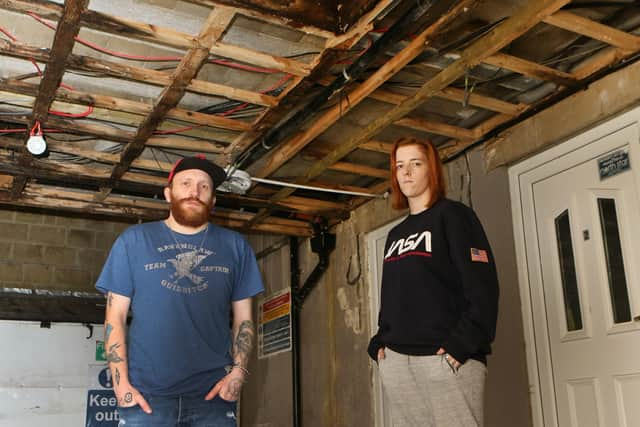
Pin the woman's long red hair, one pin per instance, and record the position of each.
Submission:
(436, 183)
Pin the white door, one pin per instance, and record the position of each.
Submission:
(588, 253)
(375, 254)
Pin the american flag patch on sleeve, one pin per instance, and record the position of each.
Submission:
(479, 255)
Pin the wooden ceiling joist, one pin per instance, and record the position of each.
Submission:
(267, 17)
(52, 170)
(188, 68)
(489, 44)
(135, 74)
(531, 69)
(357, 169)
(61, 48)
(51, 197)
(437, 128)
(379, 146)
(603, 59)
(458, 95)
(595, 30)
(285, 151)
(164, 36)
(297, 90)
(125, 105)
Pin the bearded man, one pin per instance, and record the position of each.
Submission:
(179, 363)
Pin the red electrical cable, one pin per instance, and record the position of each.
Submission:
(243, 106)
(37, 67)
(8, 34)
(155, 58)
(73, 115)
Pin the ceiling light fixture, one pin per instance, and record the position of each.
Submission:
(36, 143)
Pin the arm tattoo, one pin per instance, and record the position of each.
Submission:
(244, 341)
(235, 386)
(112, 355)
(110, 299)
(117, 377)
(108, 333)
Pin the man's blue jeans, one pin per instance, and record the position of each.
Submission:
(182, 411)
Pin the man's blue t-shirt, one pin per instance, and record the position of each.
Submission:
(181, 288)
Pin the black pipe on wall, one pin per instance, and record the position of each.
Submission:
(295, 330)
(322, 243)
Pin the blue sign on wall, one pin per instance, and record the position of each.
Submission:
(102, 405)
(102, 409)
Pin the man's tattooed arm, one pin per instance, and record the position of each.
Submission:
(116, 345)
(243, 343)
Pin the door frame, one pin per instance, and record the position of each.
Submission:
(374, 279)
(522, 176)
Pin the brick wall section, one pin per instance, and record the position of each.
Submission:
(39, 251)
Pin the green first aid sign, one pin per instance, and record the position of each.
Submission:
(100, 354)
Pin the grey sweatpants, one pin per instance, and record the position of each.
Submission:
(423, 391)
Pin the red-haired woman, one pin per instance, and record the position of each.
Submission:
(439, 299)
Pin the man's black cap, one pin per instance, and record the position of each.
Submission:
(198, 161)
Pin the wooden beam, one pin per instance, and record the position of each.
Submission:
(125, 105)
(271, 18)
(531, 69)
(186, 144)
(79, 128)
(63, 42)
(482, 101)
(6, 182)
(436, 128)
(61, 48)
(297, 91)
(500, 36)
(357, 169)
(602, 59)
(164, 36)
(285, 151)
(195, 58)
(595, 30)
(136, 74)
(454, 94)
(483, 128)
(51, 197)
(344, 187)
(379, 146)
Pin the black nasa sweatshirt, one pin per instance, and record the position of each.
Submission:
(439, 286)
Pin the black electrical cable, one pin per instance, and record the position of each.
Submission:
(411, 12)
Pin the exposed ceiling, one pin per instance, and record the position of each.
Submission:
(303, 92)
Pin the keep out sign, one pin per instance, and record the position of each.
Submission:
(102, 409)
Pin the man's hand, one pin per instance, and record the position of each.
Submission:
(229, 387)
(128, 396)
(381, 354)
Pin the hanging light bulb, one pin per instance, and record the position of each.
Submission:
(36, 143)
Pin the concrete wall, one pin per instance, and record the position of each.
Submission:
(336, 371)
(507, 401)
(44, 373)
(39, 251)
(267, 397)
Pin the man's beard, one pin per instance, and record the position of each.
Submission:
(191, 216)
